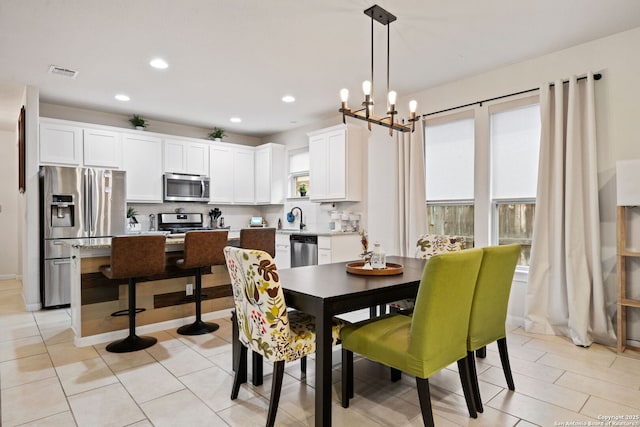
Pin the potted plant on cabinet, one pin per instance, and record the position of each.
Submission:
(138, 122)
(217, 134)
(303, 190)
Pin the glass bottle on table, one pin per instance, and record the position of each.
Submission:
(378, 257)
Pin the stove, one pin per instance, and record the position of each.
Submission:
(177, 223)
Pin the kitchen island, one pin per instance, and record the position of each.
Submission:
(94, 297)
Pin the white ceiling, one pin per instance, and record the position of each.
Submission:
(238, 58)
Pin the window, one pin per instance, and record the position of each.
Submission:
(515, 144)
(449, 169)
(299, 172)
(481, 169)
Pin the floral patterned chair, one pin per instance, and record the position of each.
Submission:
(427, 246)
(265, 325)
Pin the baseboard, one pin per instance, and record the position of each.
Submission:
(33, 307)
(515, 321)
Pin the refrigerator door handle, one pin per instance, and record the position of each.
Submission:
(85, 202)
(91, 203)
(62, 261)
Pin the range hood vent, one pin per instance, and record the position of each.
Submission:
(61, 71)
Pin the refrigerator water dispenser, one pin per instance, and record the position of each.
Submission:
(62, 211)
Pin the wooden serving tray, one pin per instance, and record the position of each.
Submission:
(390, 270)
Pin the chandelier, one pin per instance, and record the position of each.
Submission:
(366, 113)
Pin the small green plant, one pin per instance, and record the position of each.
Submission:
(217, 133)
(302, 189)
(138, 121)
(131, 214)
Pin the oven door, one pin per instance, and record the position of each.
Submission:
(186, 188)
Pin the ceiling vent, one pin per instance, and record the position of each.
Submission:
(61, 71)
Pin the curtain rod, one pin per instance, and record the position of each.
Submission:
(596, 76)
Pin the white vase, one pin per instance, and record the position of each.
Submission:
(140, 127)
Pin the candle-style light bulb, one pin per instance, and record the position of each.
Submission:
(392, 97)
(344, 95)
(366, 87)
(413, 106)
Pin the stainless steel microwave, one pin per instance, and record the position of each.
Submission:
(186, 188)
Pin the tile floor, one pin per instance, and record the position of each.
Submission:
(185, 381)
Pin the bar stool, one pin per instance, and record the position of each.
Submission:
(262, 239)
(201, 249)
(133, 257)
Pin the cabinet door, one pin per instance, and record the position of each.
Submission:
(197, 158)
(221, 174)
(142, 159)
(263, 175)
(60, 144)
(318, 167)
(243, 176)
(324, 256)
(102, 148)
(175, 156)
(336, 162)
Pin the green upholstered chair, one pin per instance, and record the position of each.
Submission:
(264, 324)
(489, 309)
(427, 342)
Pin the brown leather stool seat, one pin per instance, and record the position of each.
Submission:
(262, 239)
(134, 257)
(201, 249)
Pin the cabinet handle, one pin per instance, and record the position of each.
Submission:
(60, 262)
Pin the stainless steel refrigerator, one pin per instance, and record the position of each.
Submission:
(74, 203)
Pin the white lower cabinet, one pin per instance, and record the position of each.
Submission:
(142, 157)
(339, 248)
(283, 251)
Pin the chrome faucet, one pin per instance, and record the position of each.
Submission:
(302, 225)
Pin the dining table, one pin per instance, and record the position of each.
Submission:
(328, 290)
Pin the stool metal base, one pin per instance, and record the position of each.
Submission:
(198, 328)
(131, 343)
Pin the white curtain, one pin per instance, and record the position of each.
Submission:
(411, 211)
(565, 294)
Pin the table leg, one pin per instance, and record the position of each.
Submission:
(323, 370)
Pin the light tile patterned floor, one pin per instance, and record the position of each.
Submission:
(185, 381)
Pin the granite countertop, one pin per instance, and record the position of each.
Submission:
(105, 242)
(289, 231)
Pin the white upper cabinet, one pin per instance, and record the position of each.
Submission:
(60, 144)
(270, 177)
(221, 174)
(189, 157)
(246, 175)
(102, 148)
(142, 160)
(335, 167)
(243, 176)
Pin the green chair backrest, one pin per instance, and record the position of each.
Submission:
(440, 320)
(491, 298)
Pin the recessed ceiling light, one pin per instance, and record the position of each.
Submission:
(235, 120)
(122, 97)
(158, 63)
(288, 99)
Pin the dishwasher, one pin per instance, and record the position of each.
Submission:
(304, 250)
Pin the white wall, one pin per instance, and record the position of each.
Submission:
(9, 266)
